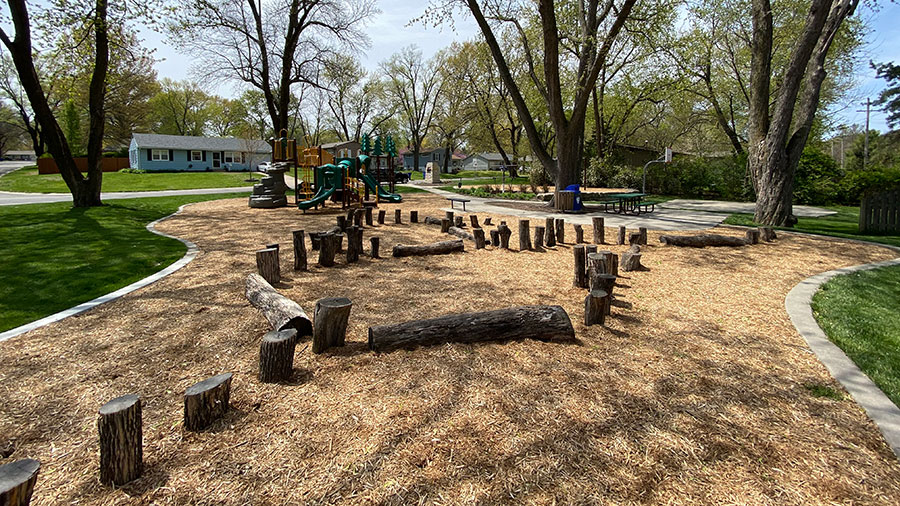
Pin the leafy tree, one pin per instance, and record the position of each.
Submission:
(71, 118)
(226, 117)
(181, 108)
(355, 99)
(890, 96)
(13, 92)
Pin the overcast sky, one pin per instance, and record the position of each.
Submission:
(389, 33)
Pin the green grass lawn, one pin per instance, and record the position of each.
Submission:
(27, 180)
(859, 313)
(843, 224)
(55, 257)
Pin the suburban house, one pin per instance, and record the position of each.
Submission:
(19, 155)
(342, 149)
(154, 152)
(483, 161)
(431, 155)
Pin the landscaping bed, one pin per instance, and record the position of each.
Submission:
(701, 392)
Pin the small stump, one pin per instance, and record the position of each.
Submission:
(374, 243)
(579, 234)
(121, 440)
(580, 280)
(504, 232)
(478, 233)
(381, 213)
(538, 238)
(495, 238)
(445, 225)
(621, 238)
(299, 250)
(414, 216)
(206, 401)
(524, 235)
(599, 231)
(595, 308)
(560, 231)
(17, 481)
(550, 235)
(398, 217)
(473, 220)
(268, 265)
(330, 323)
(276, 355)
(327, 249)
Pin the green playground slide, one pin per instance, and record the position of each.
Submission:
(374, 187)
(331, 177)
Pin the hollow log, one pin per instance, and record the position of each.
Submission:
(504, 232)
(580, 281)
(495, 238)
(398, 217)
(579, 234)
(121, 440)
(369, 221)
(702, 240)
(445, 226)
(373, 247)
(327, 249)
(524, 235)
(752, 236)
(621, 237)
(487, 221)
(634, 238)
(17, 481)
(268, 265)
(281, 312)
(560, 231)
(539, 238)
(595, 304)
(276, 355)
(478, 233)
(436, 248)
(599, 230)
(414, 216)
(381, 213)
(546, 323)
(473, 220)
(331, 317)
(299, 239)
(462, 234)
(341, 222)
(768, 234)
(206, 401)
(549, 232)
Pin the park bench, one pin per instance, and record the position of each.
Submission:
(455, 199)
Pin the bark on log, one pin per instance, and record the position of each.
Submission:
(458, 222)
(121, 440)
(634, 238)
(449, 215)
(350, 214)
(495, 238)
(473, 220)
(546, 323)
(631, 260)
(479, 238)
(339, 242)
(595, 304)
(433, 221)
(752, 236)
(369, 212)
(268, 265)
(445, 226)
(504, 232)
(590, 248)
(206, 401)
(596, 265)
(613, 265)
(373, 245)
(560, 231)
(643, 234)
(299, 238)
(599, 230)
(436, 248)
(281, 312)
(276, 355)
(358, 217)
(621, 238)
(539, 238)
(549, 232)
(354, 244)
(579, 234)
(17, 481)
(327, 249)
(462, 234)
(702, 240)
(768, 234)
(487, 221)
(331, 317)
(414, 216)
(524, 235)
(341, 222)
(316, 239)
(398, 217)
(580, 281)
(381, 213)
(274, 246)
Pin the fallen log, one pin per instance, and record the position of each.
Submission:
(432, 221)
(281, 312)
(545, 323)
(435, 248)
(458, 232)
(752, 236)
(702, 240)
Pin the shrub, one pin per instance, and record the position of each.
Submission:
(132, 171)
(817, 179)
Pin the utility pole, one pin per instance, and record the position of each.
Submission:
(866, 139)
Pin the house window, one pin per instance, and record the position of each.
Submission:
(232, 157)
(160, 155)
(196, 156)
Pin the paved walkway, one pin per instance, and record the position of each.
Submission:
(716, 206)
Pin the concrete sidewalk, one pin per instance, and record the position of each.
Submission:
(717, 206)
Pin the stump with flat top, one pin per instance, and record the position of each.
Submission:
(281, 312)
(613, 265)
(354, 244)
(643, 234)
(620, 239)
(268, 265)
(449, 215)
(478, 233)
(369, 221)
(702, 240)
(330, 317)
(381, 213)
(276, 355)
(539, 238)
(545, 323)
(17, 481)
(580, 281)
(414, 216)
(445, 225)
(315, 238)
(206, 401)
(631, 259)
(549, 234)
(398, 217)
(458, 222)
(595, 304)
(560, 231)
(504, 232)
(768, 234)
(121, 440)
(524, 235)
(495, 238)
(373, 247)
(299, 239)
(579, 234)
(599, 231)
(596, 264)
(358, 217)
(588, 249)
(327, 249)
(634, 238)
(473, 220)
(341, 222)
(436, 248)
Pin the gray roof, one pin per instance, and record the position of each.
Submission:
(188, 142)
(339, 144)
(491, 157)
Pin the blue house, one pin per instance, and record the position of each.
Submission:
(153, 152)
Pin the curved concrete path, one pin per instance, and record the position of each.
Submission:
(717, 206)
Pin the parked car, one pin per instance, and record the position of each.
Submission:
(384, 175)
(263, 167)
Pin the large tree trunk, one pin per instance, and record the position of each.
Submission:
(774, 186)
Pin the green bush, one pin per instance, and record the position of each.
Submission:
(132, 171)
(817, 180)
(688, 177)
(488, 191)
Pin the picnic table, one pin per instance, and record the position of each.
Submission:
(624, 203)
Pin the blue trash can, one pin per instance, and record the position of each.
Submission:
(577, 189)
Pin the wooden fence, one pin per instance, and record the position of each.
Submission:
(879, 212)
(48, 165)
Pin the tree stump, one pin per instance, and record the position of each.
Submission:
(478, 233)
(339, 242)
(752, 236)
(398, 217)
(274, 246)
(436, 248)
(121, 440)
(381, 213)
(631, 260)
(549, 234)
(369, 221)
(588, 249)
(445, 225)
(449, 215)
(545, 323)
(350, 214)
(768, 234)
(599, 231)
(643, 233)
(580, 280)
(327, 249)
(524, 235)
(281, 312)
(634, 238)
(268, 265)
(613, 265)
(354, 245)
(560, 231)
(341, 222)
(358, 217)
(206, 401)
(315, 238)
(299, 238)
(504, 232)
(539, 238)
(276, 355)
(473, 220)
(579, 234)
(330, 319)
(495, 238)
(17, 481)
(487, 221)
(458, 222)
(373, 247)
(595, 305)
(414, 216)
(621, 238)
(596, 263)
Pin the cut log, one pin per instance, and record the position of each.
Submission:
(353, 248)
(436, 248)
(643, 234)
(281, 312)
(17, 481)
(560, 231)
(487, 221)
(702, 240)
(613, 265)
(495, 238)
(768, 234)
(473, 220)
(433, 221)
(350, 214)
(504, 232)
(462, 234)
(631, 260)
(596, 265)
(546, 323)
(327, 249)
(458, 222)
(445, 226)
(331, 317)
(121, 440)
(341, 222)
(299, 238)
(339, 242)
(381, 213)
(580, 281)
(449, 215)
(595, 304)
(549, 232)
(373, 247)
(634, 238)
(414, 216)
(588, 249)
(478, 233)
(621, 237)
(752, 236)
(539, 238)
(524, 235)
(358, 217)
(315, 238)
(369, 221)
(276, 355)
(579, 234)
(599, 230)
(398, 217)
(268, 265)
(273, 246)
(206, 401)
